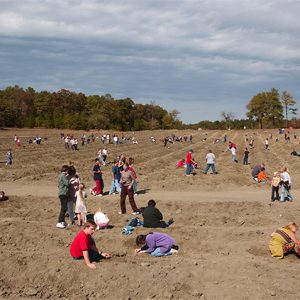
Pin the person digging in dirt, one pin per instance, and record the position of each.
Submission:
(84, 246)
(284, 241)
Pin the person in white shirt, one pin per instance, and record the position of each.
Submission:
(233, 154)
(267, 144)
(100, 219)
(210, 162)
(285, 185)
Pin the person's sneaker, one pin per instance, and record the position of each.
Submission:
(136, 213)
(120, 213)
(100, 195)
(175, 247)
(171, 221)
(60, 225)
(173, 251)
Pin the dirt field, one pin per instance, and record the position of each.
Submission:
(222, 222)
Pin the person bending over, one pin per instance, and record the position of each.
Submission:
(156, 244)
(284, 241)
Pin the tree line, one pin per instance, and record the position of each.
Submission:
(66, 109)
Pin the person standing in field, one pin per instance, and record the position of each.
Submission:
(285, 185)
(9, 158)
(131, 168)
(116, 176)
(127, 180)
(74, 186)
(267, 144)
(246, 157)
(210, 162)
(97, 190)
(63, 192)
(189, 163)
(275, 186)
(233, 154)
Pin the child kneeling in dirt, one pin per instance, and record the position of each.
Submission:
(84, 246)
(156, 244)
(284, 241)
(101, 219)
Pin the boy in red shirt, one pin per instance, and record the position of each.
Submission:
(189, 163)
(83, 246)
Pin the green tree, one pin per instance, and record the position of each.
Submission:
(265, 107)
(288, 103)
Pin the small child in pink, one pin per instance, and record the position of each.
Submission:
(100, 219)
(180, 163)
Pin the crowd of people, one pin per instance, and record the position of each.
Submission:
(72, 195)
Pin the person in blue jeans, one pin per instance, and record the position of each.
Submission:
(116, 175)
(210, 162)
(189, 162)
(156, 244)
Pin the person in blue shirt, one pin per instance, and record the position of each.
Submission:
(116, 175)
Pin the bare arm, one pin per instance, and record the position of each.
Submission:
(294, 238)
(87, 260)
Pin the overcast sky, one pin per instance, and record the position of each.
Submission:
(200, 57)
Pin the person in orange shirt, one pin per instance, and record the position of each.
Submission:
(262, 177)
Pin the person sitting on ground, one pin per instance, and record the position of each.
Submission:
(181, 163)
(284, 241)
(84, 246)
(100, 219)
(256, 170)
(153, 218)
(262, 177)
(156, 244)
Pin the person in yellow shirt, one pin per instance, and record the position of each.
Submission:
(284, 241)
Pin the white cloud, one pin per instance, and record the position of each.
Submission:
(172, 45)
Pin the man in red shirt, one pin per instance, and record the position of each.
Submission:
(189, 161)
(83, 246)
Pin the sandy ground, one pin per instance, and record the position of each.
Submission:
(222, 223)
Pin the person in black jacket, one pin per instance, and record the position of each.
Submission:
(153, 218)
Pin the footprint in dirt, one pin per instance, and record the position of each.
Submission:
(258, 251)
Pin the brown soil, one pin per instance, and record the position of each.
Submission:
(222, 223)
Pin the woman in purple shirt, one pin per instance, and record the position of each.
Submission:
(156, 244)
